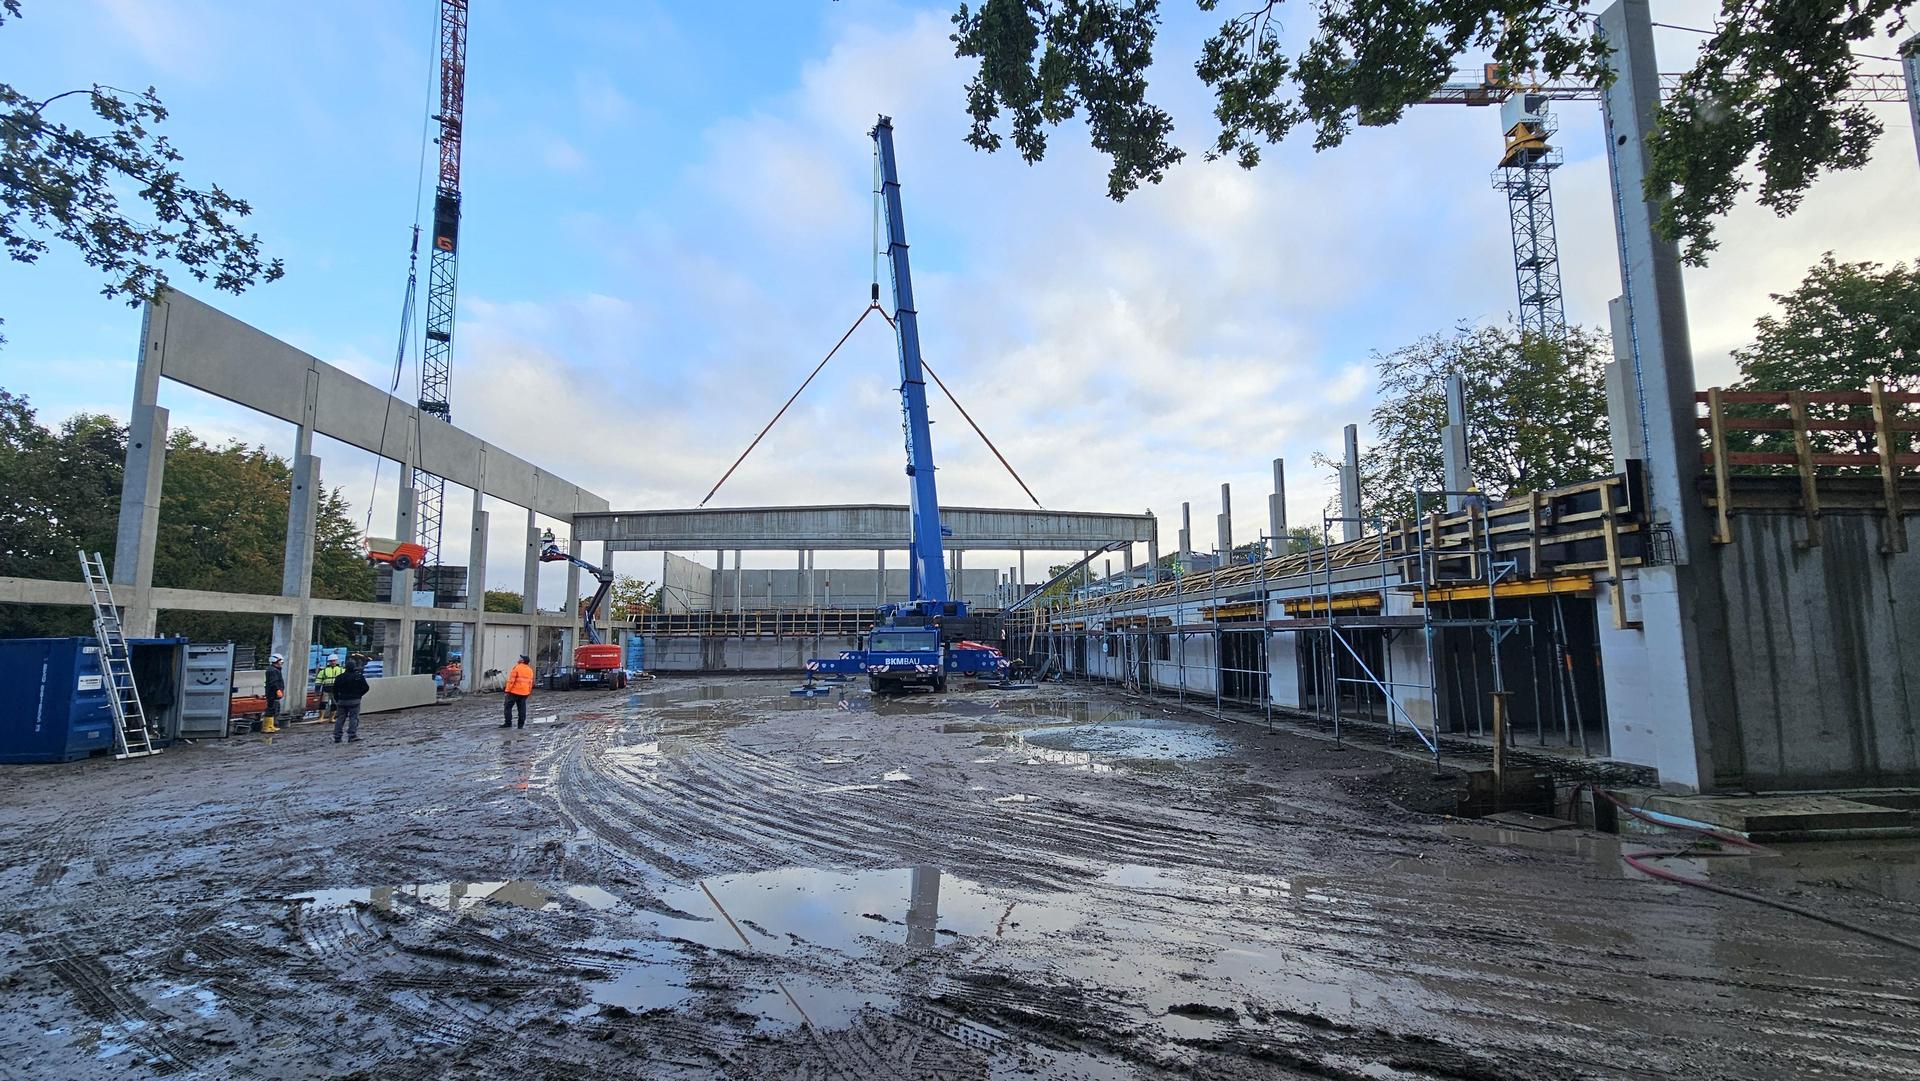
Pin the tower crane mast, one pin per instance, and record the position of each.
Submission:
(436, 356)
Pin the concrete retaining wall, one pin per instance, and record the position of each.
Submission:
(1824, 645)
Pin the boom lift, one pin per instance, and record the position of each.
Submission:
(919, 642)
(595, 663)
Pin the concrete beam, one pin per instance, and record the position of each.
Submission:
(50, 591)
(195, 344)
(853, 527)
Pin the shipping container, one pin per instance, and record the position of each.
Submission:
(53, 700)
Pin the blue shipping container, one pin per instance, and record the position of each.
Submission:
(53, 700)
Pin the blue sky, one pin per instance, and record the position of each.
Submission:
(667, 222)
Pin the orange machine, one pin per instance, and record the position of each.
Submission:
(400, 555)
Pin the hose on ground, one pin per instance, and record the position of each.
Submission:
(1641, 861)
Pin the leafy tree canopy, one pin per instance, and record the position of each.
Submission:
(1844, 326)
(633, 596)
(223, 521)
(59, 182)
(1763, 90)
(503, 600)
(1536, 416)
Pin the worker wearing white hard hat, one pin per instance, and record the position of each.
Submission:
(276, 690)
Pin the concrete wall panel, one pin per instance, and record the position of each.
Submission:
(1825, 648)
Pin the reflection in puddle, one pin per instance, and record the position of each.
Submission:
(448, 896)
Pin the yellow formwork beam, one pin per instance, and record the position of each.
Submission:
(1534, 587)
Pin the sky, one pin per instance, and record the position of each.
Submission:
(668, 221)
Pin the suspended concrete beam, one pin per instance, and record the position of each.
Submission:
(865, 527)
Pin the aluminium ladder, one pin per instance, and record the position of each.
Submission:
(131, 736)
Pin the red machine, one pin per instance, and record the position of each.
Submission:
(595, 663)
(397, 554)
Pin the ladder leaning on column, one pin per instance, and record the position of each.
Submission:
(131, 736)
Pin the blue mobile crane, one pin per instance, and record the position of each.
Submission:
(919, 642)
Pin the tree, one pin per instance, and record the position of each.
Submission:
(1844, 326)
(58, 182)
(1764, 88)
(503, 600)
(633, 596)
(1536, 416)
(223, 522)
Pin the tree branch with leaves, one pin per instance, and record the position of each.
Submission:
(1765, 89)
(116, 197)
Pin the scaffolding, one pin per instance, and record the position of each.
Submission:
(1413, 576)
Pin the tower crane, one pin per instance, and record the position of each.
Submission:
(436, 357)
(1529, 158)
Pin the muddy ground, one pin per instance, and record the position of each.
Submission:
(712, 878)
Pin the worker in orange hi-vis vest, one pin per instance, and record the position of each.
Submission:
(519, 689)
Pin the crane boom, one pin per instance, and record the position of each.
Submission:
(926, 564)
(1493, 90)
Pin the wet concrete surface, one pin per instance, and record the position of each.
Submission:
(714, 878)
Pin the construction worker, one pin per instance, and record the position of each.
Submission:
(323, 679)
(276, 690)
(349, 687)
(519, 688)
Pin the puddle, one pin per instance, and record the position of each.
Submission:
(651, 978)
(793, 1003)
(1134, 737)
(593, 897)
(447, 896)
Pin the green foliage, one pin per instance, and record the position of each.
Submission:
(631, 595)
(1764, 89)
(223, 521)
(1536, 416)
(1044, 62)
(503, 600)
(58, 182)
(1846, 325)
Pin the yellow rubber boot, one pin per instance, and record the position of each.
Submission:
(269, 726)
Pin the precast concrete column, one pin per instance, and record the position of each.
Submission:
(1277, 509)
(606, 610)
(1682, 612)
(719, 591)
(1023, 572)
(812, 599)
(530, 584)
(959, 576)
(1350, 486)
(1186, 530)
(397, 657)
(573, 601)
(880, 585)
(739, 583)
(1224, 523)
(138, 534)
(1623, 391)
(1153, 556)
(293, 635)
(1127, 563)
(1455, 474)
(475, 660)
